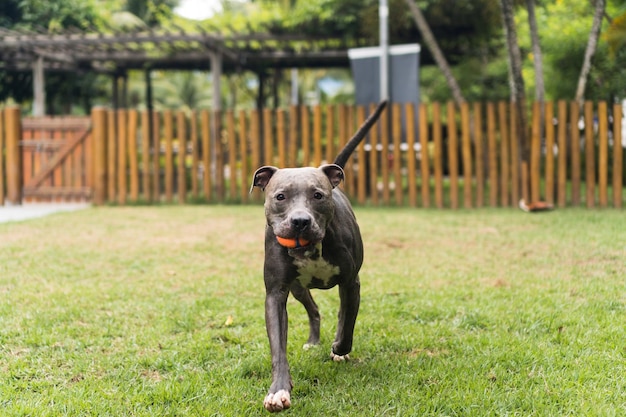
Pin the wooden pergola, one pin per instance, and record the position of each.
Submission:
(117, 53)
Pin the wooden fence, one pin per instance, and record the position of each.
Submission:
(430, 156)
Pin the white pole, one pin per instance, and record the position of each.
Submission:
(383, 13)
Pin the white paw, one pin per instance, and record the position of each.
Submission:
(278, 401)
(339, 358)
(308, 346)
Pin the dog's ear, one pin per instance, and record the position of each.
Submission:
(334, 173)
(262, 177)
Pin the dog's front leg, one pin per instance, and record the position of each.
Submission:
(278, 397)
(349, 295)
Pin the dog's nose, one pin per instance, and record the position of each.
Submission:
(300, 223)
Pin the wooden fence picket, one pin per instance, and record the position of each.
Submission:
(216, 122)
(513, 174)
(111, 150)
(122, 156)
(305, 132)
(256, 145)
(411, 155)
(453, 156)
(350, 182)
(133, 162)
(504, 154)
(373, 174)
(575, 156)
(330, 133)
(384, 155)
(98, 117)
(145, 156)
(618, 156)
(466, 154)
(590, 173)
(562, 155)
(280, 136)
(479, 155)
(293, 135)
(232, 153)
(397, 154)
(549, 152)
(155, 140)
(317, 135)
(535, 152)
(195, 156)
(360, 151)
(180, 152)
(603, 155)
(13, 166)
(492, 146)
(438, 155)
(243, 152)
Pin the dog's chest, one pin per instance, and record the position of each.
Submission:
(318, 268)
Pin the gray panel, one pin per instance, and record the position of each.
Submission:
(365, 72)
(403, 73)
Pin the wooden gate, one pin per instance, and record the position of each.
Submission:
(57, 159)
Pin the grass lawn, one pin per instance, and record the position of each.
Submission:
(158, 311)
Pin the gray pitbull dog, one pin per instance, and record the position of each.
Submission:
(312, 240)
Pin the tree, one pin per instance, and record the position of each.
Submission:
(518, 94)
(590, 50)
(537, 57)
(433, 46)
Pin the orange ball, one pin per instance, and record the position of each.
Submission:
(292, 243)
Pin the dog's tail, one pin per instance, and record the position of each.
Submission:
(343, 156)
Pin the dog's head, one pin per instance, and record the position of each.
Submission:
(299, 201)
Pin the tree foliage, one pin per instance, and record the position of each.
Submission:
(54, 16)
(66, 91)
(563, 30)
(63, 89)
(469, 33)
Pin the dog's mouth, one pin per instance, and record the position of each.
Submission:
(297, 242)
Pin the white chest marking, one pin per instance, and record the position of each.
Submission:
(315, 268)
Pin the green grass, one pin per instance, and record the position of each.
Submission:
(158, 311)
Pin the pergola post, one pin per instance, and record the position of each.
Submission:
(115, 92)
(216, 76)
(294, 86)
(124, 98)
(39, 88)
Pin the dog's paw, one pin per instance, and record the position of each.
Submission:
(309, 346)
(339, 358)
(278, 401)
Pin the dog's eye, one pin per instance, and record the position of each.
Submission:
(318, 195)
(280, 197)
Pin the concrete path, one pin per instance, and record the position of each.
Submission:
(34, 210)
